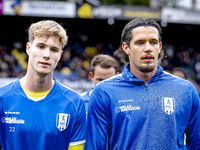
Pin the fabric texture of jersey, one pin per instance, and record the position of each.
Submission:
(86, 97)
(133, 116)
(53, 123)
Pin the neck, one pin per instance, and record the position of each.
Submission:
(37, 83)
(146, 77)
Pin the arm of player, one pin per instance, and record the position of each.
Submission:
(97, 124)
(79, 131)
(77, 147)
(193, 128)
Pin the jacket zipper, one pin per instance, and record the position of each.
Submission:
(146, 87)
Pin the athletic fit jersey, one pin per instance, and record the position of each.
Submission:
(36, 96)
(53, 123)
(86, 97)
(135, 116)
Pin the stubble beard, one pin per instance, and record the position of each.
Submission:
(145, 69)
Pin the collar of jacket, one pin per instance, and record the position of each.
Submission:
(132, 78)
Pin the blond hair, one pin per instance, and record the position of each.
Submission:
(46, 29)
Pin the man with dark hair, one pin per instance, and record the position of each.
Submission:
(143, 107)
(102, 67)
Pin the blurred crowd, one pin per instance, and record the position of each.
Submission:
(75, 61)
(185, 60)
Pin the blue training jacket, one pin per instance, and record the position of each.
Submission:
(128, 115)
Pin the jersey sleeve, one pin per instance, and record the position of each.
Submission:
(77, 147)
(79, 130)
(193, 128)
(97, 124)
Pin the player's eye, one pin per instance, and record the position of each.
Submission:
(41, 46)
(54, 50)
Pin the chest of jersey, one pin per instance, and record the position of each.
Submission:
(45, 121)
(148, 112)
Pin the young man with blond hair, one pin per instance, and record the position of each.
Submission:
(37, 112)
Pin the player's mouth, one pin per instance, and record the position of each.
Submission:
(148, 58)
(44, 63)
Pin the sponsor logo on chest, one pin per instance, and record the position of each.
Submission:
(126, 108)
(167, 104)
(12, 120)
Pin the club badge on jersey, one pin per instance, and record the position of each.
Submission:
(62, 121)
(168, 105)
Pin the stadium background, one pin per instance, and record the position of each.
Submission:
(95, 28)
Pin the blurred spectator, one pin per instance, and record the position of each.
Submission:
(75, 62)
(180, 72)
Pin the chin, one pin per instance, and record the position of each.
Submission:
(146, 69)
(43, 73)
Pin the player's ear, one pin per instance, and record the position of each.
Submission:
(125, 47)
(160, 48)
(61, 52)
(91, 75)
(28, 45)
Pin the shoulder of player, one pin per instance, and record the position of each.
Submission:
(179, 82)
(107, 86)
(86, 95)
(111, 80)
(176, 79)
(7, 88)
(69, 94)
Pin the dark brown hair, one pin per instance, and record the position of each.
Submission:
(126, 35)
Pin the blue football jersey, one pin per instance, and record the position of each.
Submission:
(132, 115)
(86, 97)
(53, 123)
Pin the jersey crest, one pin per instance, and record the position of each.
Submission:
(168, 105)
(62, 121)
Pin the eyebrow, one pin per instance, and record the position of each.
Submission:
(146, 40)
(155, 39)
(55, 47)
(41, 44)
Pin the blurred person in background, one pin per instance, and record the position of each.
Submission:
(102, 67)
(37, 112)
(180, 72)
(143, 107)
